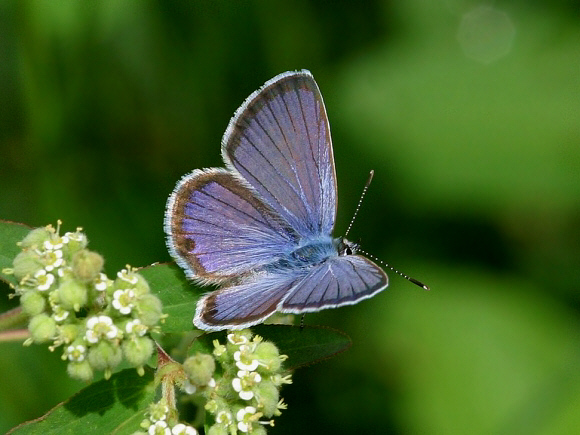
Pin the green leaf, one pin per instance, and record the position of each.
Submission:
(303, 346)
(115, 406)
(10, 234)
(306, 345)
(178, 295)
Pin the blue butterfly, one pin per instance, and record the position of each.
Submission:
(261, 229)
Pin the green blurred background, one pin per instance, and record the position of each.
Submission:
(468, 113)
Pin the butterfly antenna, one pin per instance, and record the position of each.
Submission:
(407, 277)
(364, 192)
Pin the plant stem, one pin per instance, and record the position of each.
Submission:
(14, 335)
(13, 318)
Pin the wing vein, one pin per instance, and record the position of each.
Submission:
(264, 221)
(312, 187)
(294, 168)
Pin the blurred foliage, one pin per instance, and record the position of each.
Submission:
(469, 114)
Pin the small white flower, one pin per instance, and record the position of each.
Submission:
(245, 417)
(77, 236)
(182, 429)
(237, 339)
(159, 428)
(99, 327)
(101, 282)
(54, 244)
(59, 313)
(224, 417)
(123, 300)
(52, 259)
(244, 395)
(211, 383)
(43, 280)
(76, 352)
(136, 327)
(245, 382)
(244, 360)
(128, 276)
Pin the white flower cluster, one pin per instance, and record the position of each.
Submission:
(245, 391)
(71, 302)
(157, 423)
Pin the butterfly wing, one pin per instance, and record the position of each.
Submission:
(217, 228)
(244, 304)
(343, 280)
(280, 189)
(279, 142)
(340, 280)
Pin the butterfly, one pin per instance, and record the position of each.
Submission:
(261, 228)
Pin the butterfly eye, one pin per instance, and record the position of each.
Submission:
(346, 248)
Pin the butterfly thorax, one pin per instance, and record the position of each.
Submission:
(312, 254)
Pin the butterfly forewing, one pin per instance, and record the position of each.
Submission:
(217, 228)
(279, 141)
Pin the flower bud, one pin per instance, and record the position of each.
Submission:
(137, 350)
(217, 429)
(36, 237)
(268, 397)
(141, 286)
(69, 332)
(105, 355)
(220, 352)
(76, 241)
(258, 430)
(26, 263)
(72, 295)
(42, 328)
(32, 303)
(158, 410)
(87, 265)
(267, 353)
(80, 370)
(149, 308)
(199, 368)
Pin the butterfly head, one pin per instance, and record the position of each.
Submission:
(345, 247)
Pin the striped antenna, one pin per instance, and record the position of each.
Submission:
(364, 192)
(407, 277)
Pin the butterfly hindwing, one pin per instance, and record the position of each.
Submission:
(340, 280)
(243, 304)
(343, 280)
